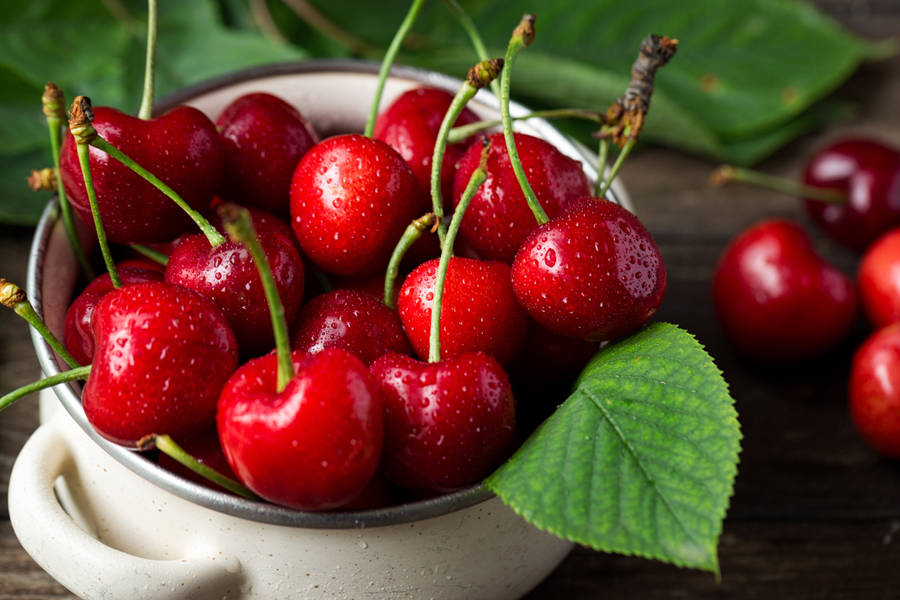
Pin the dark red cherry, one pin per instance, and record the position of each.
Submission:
(181, 147)
(592, 273)
(547, 357)
(776, 299)
(879, 280)
(875, 391)
(264, 138)
(446, 424)
(498, 219)
(351, 199)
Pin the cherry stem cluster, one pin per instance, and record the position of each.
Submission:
(65, 376)
(146, 109)
(730, 174)
(14, 297)
(410, 236)
(477, 42)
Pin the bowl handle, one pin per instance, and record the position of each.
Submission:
(82, 563)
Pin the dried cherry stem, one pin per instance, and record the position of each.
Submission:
(458, 134)
(475, 181)
(388, 60)
(730, 174)
(55, 112)
(412, 234)
(42, 180)
(71, 375)
(14, 297)
(82, 128)
(146, 251)
(478, 76)
(169, 447)
(146, 109)
(239, 227)
(522, 37)
(477, 42)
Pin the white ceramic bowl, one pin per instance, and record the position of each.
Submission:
(108, 523)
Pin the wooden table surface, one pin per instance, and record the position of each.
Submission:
(815, 513)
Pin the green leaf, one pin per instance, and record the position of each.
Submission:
(640, 459)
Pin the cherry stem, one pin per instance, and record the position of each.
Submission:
(730, 174)
(477, 42)
(614, 170)
(461, 133)
(157, 257)
(239, 226)
(478, 76)
(71, 375)
(14, 297)
(602, 157)
(146, 109)
(169, 447)
(412, 234)
(388, 60)
(55, 112)
(475, 181)
(522, 37)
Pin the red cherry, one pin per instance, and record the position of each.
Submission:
(547, 357)
(378, 494)
(479, 313)
(498, 219)
(264, 138)
(354, 321)
(162, 354)
(879, 280)
(868, 173)
(875, 391)
(776, 298)
(593, 273)
(228, 275)
(446, 424)
(351, 199)
(182, 148)
(313, 446)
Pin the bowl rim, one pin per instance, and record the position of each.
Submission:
(264, 512)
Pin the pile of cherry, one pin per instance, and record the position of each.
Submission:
(780, 301)
(372, 414)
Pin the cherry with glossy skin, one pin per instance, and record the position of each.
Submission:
(549, 357)
(593, 273)
(498, 219)
(181, 147)
(778, 300)
(879, 280)
(313, 446)
(264, 138)
(351, 199)
(354, 321)
(875, 391)
(480, 312)
(447, 424)
(152, 341)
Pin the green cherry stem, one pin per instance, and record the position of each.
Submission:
(157, 257)
(412, 234)
(475, 181)
(478, 76)
(614, 170)
(388, 60)
(477, 42)
(239, 227)
(522, 37)
(82, 128)
(458, 134)
(730, 174)
(168, 446)
(71, 375)
(14, 297)
(146, 109)
(602, 158)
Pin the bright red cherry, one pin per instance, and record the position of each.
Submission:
(181, 147)
(776, 298)
(354, 321)
(163, 353)
(264, 138)
(446, 424)
(875, 391)
(593, 273)
(498, 219)
(313, 446)
(879, 280)
(479, 313)
(351, 199)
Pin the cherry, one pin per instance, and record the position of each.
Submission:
(593, 273)
(313, 446)
(377, 494)
(498, 219)
(206, 449)
(152, 341)
(182, 147)
(879, 280)
(548, 357)
(875, 391)
(776, 298)
(264, 138)
(447, 424)
(354, 321)
(351, 199)
(480, 312)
